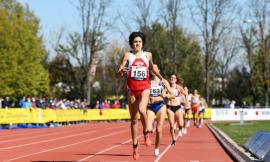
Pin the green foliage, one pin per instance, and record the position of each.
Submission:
(239, 87)
(21, 52)
(188, 59)
(64, 78)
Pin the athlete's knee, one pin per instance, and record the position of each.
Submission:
(133, 121)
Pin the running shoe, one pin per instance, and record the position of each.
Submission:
(180, 133)
(188, 123)
(184, 130)
(156, 152)
(147, 140)
(173, 143)
(136, 153)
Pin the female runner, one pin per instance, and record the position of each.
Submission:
(157, 107)
(137, 64)
(175, 112)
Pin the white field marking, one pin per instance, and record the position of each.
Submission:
(48, 134)
(21, 134)
(31, 137)
(56, 148)
(32, 131)
(36, 131)
(54, 139)
(167, 148)
(90, 156)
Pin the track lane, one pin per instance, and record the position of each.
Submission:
(114, 144)
(36, 146)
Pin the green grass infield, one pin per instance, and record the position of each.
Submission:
(240, 133)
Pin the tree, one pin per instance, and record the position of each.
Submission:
(63, 78)
(21, 52)
(171, 15)
(238, 86)
(212, 19)
(229, 48)
(84, 46)
(260, 11)
(188, 60)
(143, 18)
(249, 44)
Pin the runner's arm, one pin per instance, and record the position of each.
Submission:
(170, 94)
(122, 68)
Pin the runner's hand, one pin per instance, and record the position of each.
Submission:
(124, 70)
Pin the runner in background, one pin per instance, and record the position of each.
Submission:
(157, 107)
(203, 105)
(136, 64)
(175, 112)
(188, 111)
(184, 101)
(195, 106)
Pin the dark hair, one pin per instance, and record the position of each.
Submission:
(181, 81)
(133, 35)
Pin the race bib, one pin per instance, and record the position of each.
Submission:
(156, 91)
(138, 72)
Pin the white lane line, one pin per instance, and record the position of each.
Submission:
(56, 148)
(31, 137)
(41, 134)
(90, 156)
(167, 148)
(31, 131)
(54, 139)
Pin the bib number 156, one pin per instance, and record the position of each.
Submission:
(138, 72)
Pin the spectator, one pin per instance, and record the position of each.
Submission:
(27, 103)
(97, 103)
(227, 104)
(115, 105)
(106, 104)
(100, 107)
(21, 101)
(232, 104)
(7, 102)
(1, 102)
(34, 102)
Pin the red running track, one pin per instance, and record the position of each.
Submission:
(106, 142)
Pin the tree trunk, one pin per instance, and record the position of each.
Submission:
(266, 84)
(92, 72)
(206, 81)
